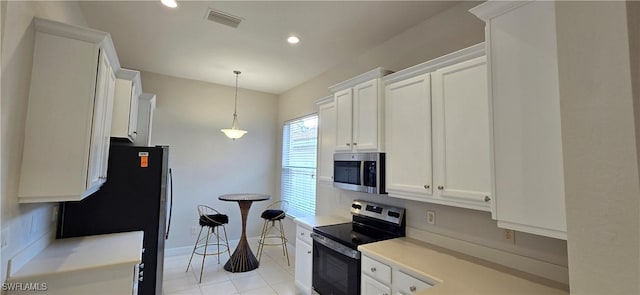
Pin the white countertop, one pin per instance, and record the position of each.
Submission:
(313, 221)
(457, 273)
(75, 254)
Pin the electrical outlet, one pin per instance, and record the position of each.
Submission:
(510, 235)
(431, 217)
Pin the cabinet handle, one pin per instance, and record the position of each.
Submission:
(426, 186)
(348, 144)
(135, 132)
(302, 234)
(308, 252)
(487, 198)
(440, 187)
(355, 143)
(412, 288)
(373, 269)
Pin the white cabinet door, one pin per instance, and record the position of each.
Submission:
(96, 154)
(367, 110)
(326, 140)
(408, 138)
(344, 123)
(304, 260)
(370, 286)
(146, 107)
(529, 179)
(461, 139)
(125, 107)
(108, 111)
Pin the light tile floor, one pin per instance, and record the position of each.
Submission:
(272, 277)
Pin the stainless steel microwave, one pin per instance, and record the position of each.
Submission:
(363, 172)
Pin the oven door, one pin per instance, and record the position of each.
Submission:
(336, 268)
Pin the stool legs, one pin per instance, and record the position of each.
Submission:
(210, 230)
(264, 236)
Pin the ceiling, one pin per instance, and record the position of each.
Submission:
(180, 42)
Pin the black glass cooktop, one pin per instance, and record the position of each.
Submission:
(353, 234)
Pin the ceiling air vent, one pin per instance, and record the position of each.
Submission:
(223, 18)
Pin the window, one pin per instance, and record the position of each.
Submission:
(299, 149)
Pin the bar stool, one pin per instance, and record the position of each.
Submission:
(275, 212)
(212, 220)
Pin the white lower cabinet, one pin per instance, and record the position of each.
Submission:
(304, 259)
(378, 278)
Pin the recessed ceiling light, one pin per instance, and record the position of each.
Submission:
(170, 3)
(293, 40)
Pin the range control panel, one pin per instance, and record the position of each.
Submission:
(377, 211)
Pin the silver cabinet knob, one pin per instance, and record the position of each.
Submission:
(440, 187)
(373, 269)
(412, 288)
(487, 198)
(426, 186)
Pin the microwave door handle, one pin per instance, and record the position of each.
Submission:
(362, 172)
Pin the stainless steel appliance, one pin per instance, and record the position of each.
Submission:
(336, 259)
(363, 172)
(134, 197)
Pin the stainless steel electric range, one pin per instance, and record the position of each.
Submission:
(336, 259)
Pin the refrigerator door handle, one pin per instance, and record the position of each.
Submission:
(166, 237)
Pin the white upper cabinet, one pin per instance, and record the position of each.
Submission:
(326, 138)
(438, 145)
(408, 138)
(523, 82)
(125, 106)
(461, 140)
(146, 107)
(360, 112)
(68, 118)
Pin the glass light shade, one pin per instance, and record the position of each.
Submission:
(233, 133)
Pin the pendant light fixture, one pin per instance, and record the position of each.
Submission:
(234, 133)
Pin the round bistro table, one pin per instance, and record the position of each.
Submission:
(242, 259)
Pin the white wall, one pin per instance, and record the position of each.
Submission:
(22, 224)
(451, 30)
(188, 117)
(598, 70)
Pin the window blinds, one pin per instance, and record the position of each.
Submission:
(299, 150)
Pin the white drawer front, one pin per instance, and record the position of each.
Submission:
(406, 284)
(376, 270)
(304, 234)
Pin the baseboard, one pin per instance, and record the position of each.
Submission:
(26, 254)
(543, 269)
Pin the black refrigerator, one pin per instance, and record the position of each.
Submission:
(134, 197)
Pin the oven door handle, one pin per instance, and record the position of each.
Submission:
(333, 245)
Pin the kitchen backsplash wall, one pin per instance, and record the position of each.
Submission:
(22, 224)
(188, 117)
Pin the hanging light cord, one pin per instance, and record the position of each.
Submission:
(235, 107)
